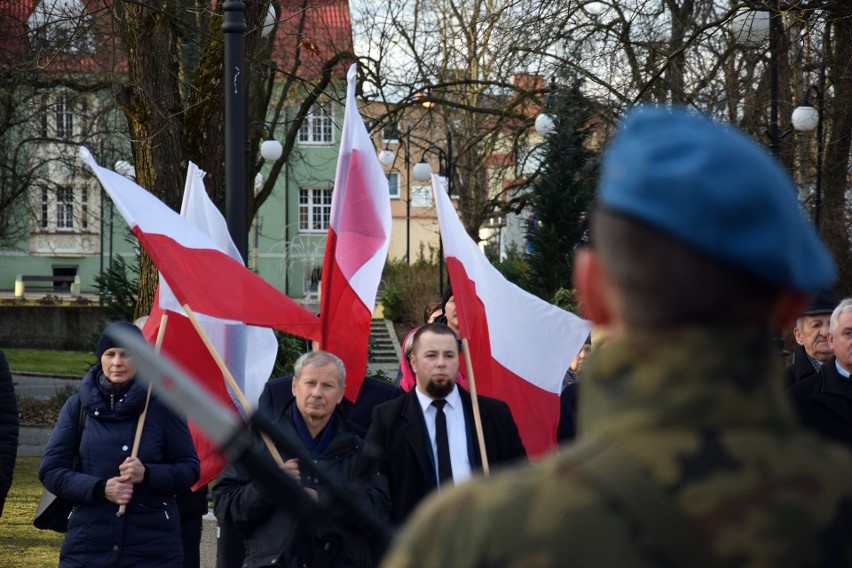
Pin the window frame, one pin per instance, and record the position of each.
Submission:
(314, 205)
(318, 127)
(397, 194)
(64, 209)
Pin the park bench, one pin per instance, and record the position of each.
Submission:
(54, 280)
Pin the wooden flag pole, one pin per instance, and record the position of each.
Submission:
(477, 418)
(140, 424)
(229, 379)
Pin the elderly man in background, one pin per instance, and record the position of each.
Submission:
(824, 400)
(273, 536)
(811, 334)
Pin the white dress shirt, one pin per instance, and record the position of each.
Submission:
(456, 432)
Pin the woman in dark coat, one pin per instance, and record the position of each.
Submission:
(148, 533)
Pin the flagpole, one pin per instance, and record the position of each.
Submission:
(229, 379)
(140, 424)
(477, 418)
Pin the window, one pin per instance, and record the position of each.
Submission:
(390, 133)
(64, 117)
(43, 112)
(84, 208)
(60, 25)
(45, 204)
(317, 128)
(314, 210)
(393, 185)
(64, 208)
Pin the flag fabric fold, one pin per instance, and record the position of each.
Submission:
(199, 273)
(356, 246)
(249, 352)
(520, 346)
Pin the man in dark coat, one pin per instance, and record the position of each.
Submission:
(824, 400)
(811, 334)
(8, 429)
(310, 418)
(405, 429)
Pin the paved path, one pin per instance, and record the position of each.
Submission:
(41, 387)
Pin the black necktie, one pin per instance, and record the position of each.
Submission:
(445, 467)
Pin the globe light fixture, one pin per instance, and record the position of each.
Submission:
(544, 124)
(269, 22)
(805, 118)
(751, 27)
(271, 150)
(386, 157)
(422, 171)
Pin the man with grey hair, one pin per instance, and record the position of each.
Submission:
(309, 418)
(824, 400)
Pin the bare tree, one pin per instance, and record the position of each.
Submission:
(460, 55)
(161, 65)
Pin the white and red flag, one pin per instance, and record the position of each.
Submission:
(199, 273)
(520, 346)
(249, 352)
(356, 247)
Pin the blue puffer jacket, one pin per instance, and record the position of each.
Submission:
(148, 534)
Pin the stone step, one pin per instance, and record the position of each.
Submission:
(384, 348)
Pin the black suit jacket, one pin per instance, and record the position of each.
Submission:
(824, 404)
(398, 430)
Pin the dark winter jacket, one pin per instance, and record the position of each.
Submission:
(273, 537)
(824, 403)
(148, 534)
(801, 369)
(8, 429)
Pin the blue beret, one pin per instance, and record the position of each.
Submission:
(715, 188)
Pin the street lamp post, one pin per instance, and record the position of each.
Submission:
(236, 199)
(752, 28)
(423, 172)
(774, 51)
(806, 118)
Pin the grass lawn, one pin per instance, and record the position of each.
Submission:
(74, 363)
(21, 544)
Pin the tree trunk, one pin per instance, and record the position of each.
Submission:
(835, 227)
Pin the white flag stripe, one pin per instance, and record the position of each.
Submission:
(355, 139)
(152, 214)
(530, 337)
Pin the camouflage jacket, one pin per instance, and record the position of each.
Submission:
(702, 413)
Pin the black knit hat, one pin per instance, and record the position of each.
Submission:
(106, 340)
(823, 302)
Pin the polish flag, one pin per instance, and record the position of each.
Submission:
(249, 352)
(199, 273)
(520, 346)
(356, 247)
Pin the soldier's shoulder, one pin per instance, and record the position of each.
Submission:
(529, 515)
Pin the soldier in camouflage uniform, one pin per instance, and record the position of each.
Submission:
(687, 451)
